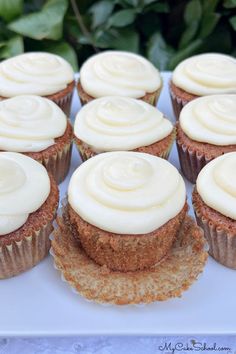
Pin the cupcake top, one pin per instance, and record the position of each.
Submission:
(120, 123)
(35, 73)
(210, 119)
(126, 192)
(120, 74)
(206, 74)
(24, 187)
(30, 123)
(216, 184)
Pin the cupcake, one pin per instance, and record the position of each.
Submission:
(206, 130)
(117, 73)
(28, 204)
(201, 75)
(120, 228)
(116, 123)
(214, 201)
(38, 73)
(37, 127)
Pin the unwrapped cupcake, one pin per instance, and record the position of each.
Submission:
(117, 123)
(117, 73)
(38, 73)
(37, 127)
(206, 130)
(201, 75)
(214, 202)
(28, 205)
(124, 236)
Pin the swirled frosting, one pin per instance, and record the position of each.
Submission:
(206, 74)
(24, 187)
(210, 119)
(119, 73)
(35, 73)
(126, 192)
(120, 123)
(216, 184)
(30, 123)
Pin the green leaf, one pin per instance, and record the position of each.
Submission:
(47, 23)
(193, 11)
(12, 47)
(100, 12)
(125, 39)
(133, 3)
(229, 4)
(188, 34)
(185, 53)
(122, 18)
(9, 9)
(208, 24)
(232, 21)
(209, 6)
(158, 52)
(64, 50)
(159, 7)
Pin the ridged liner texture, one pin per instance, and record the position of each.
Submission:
(86, 152)
(166, 280)
(64, 98)
(222, 243)
(27, 246)
(151, 98)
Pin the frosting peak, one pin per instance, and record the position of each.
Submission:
(127, 192)
(216, 184)
(24, 187)
(30, 123)
(120, 123)
(119, 73)
(34, 73)
(206, 74)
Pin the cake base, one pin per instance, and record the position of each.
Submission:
(166, 280)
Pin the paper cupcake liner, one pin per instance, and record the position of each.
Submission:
(177, 103)
(86, 152)
(222, 245)
(191, 162)
(151, 98)
(64, 102)
(19, 256)
(166, 280)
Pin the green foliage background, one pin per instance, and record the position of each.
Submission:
(165, 31)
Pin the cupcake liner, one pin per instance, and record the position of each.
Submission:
(191, 162)
(222, 244)
(177, 103)
(151, 98)
(168, 279)
(24, 254)
(64, 101)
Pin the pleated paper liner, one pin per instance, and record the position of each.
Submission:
(26, 247)
(86, 152)
(167, 279)
(64, 98)
(151, 98)
(222, 243)
(178, 101)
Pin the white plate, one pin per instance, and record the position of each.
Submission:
(38, 303)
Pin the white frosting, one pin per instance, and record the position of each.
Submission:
(216, 184)
(127, 192)
(34, 73)
(24, 187)
(206, 74)
(120, 123)
(30, 123)
(210, 119)
(115, 73)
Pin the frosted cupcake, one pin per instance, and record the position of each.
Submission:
(214, 200)
(201, 75)
(124, 236)
(38, 73)
(28, 204)
(206, 130)
(117, 73)
(116, 123)
(37, 127)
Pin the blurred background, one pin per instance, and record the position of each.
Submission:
(164, 31)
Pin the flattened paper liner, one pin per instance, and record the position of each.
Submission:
(166, 280)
